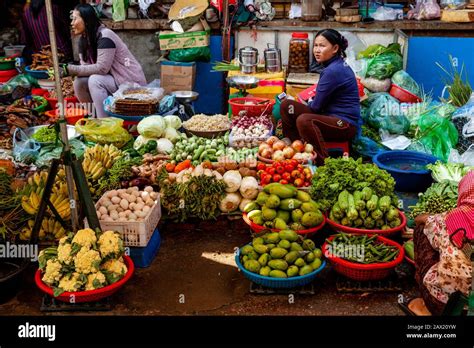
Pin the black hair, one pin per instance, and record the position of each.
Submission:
(335, 38)
(88, 41)
(36, 7)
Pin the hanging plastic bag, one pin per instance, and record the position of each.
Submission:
(438, 134)
(404, 80)
(384, 113)
(104, 131)
(194, 54)
(425, 9)
(25, 149)
(384, 65)
(119, 10)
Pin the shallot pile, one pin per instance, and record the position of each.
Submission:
(250, 131)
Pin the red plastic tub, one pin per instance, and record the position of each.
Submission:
(40, 92)
(72, 115)
(259, 229)
(390, 232)
(364, 272)
(238, 104)
(68, 102)
(91, 295)
(403, 95)
(6, 75)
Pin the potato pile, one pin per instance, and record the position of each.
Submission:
(126, 205)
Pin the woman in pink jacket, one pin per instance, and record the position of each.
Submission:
(105, 60)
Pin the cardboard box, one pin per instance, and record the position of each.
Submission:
(171, 40)
(177, 76)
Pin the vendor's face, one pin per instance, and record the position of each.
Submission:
(78, 25)
(323, 50)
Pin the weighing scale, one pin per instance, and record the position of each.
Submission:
(242, 83)
(185, 100)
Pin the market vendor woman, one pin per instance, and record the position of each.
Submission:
(106, 61)
(334, 112)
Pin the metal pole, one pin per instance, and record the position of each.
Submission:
(62, 122)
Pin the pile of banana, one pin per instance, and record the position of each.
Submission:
(33, 191)
(51, 229)
(98, 159)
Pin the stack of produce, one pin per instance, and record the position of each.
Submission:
(448, 171)
(204, 123)
(438, 198)
(45, 135)
(194, 196)
(339, 174)
(363, 249)
(285, 172)
(198, 150)
(43, 60)
(241, 189)
(148, 169)
(51, 229)
(281, 254)
(249, 131)
(8, 199)
(279, 150)
(365, 210)
(126, 205)
(283, 206)
(83, 261)
(12, 215)
(161, 131)
(67, 86)
(245, 155)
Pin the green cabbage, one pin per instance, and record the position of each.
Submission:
(152, 126)
(172, 121)
(141, 141)
(172, 134)
(165, 146)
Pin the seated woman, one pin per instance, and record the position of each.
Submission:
(334, 112)
(106, 62)
(442, 268)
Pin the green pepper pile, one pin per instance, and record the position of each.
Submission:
(369, 249)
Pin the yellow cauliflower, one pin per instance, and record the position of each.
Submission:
(53, 272)
(85, 238)
(64, 253)
(87, 261)
(110, 242)
(71, 283)
(114, 270)
(95, 281)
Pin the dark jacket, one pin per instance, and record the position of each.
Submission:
(337, 93)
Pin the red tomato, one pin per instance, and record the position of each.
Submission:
(284, 182)
(295, 174)
(293, 162)
(276, 177)
(289, 168)
(266, 179)
(261, 166)
(299, 182)
(286, 176)
(307, 183)
(300, 167)
(270, 170)
(280, 169)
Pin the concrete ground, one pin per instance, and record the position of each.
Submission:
(194, 274)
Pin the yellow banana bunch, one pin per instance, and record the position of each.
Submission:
(98, 159)
(50, 229)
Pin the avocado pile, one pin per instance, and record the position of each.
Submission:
(283, 207)
(281, 254)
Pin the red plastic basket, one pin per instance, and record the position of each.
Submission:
(364, 272)
(390, 232)
(71, 102)
(259, 229)
(238, 104)
(91, 295)
(403, 95)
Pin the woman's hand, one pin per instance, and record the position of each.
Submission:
(421, 219)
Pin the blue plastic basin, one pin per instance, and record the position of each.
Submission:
(37, 74)
(408, 168)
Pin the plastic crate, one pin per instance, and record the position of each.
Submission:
(143, 257)
(134, 233)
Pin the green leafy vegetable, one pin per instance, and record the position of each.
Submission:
(438, 198)
(447, 172)
(45, 135)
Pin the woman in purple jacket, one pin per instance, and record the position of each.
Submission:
(334, 112)
(106, 61)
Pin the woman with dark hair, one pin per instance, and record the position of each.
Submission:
(334, 112)
(105, 60)
(34, 28)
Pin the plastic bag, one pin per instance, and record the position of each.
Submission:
(425, 9)
(376, 50)
(384, 65)
(438, 134)
(384, 13)
(376, 85)
(467, 110)
(135, 91)
(25, 149)
(194, 54)
(384, 113)
(453, 4)
(119, 10)
(366, 146)
(104, 131)
(167, 104)
(405, 81)
(50, 152)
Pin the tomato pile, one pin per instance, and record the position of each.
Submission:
(284, 172)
